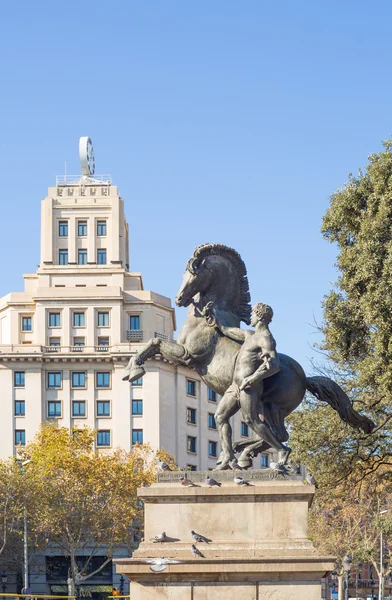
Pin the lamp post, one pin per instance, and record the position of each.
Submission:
(4, 581)
(122, 585)
(381, 581)
(25, 546)
(346, 563)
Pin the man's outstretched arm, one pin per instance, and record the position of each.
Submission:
(234, 333)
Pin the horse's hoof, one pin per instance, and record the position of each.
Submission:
(134, 374)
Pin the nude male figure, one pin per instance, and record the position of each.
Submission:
(257, 359)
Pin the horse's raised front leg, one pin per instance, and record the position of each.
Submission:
(173, 352)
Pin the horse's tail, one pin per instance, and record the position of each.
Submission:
(327, 390)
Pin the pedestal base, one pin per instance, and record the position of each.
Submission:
(259, 547)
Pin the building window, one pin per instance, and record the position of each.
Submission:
(191, 467)
(27, 324)
(137, 407)
(63, 228)
(191, 416)
(54, 409)
(54, 319)
(78, 379)
(191, 444)
(63, 257)
(82, 228)
(79, 319)
(103, 408)
(54, 341)
(101, 256)
(19, 408)
(20, 437)
(78, 408)
(264, 460)
(82, 256)
(103, 379)
(134, 322)
(244, 429)
(137, 436)
(78, 342)
(103, 319)
(19, 379)
(211, 395)
(191, 387)
(137, 382)
(103, 341)
(212, 448)
(54, 380)
(101, 228)
(211, 421)
(103, 437)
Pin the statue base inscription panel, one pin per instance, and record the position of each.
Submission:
(259, 549)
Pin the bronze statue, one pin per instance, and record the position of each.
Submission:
(216, 289)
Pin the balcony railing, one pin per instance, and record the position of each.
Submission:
(134, 335)
(161, 336)
(77, 349)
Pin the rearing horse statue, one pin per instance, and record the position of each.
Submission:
(215, 282)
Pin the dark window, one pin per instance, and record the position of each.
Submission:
(63, 257)
(78, 379)
(54, 380)
(82, 228)
(191, 444)
(244, 429)
(78, 319)
(54, 319)
(137, 436)
(103, 341)
(264, 460)
(63, 228)
(54, 341)
(191, 415)
(191, 387)
(101, 228)
(101, 256)
(27, 324)
(19, 379)
(137, 382)
(191, 467)
(82, 257)
(103, 379)
(212, 448)
(211, 421)
(103, 437)
(78, 342)
(103, 319)
(103, 408)
(20, 408)
(137, 407)
(211, 395)
(78, 408)
(20, 437)
(54, 409)
(134, 323)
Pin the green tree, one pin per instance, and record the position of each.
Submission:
(83, 501)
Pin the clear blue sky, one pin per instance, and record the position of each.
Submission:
(219, 121)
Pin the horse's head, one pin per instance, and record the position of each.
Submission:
(217, 273)
(197, 279)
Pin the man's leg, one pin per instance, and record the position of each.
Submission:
(227, 407)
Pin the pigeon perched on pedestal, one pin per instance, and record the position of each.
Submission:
(234, 466)
(211, 482)
(187, 482)
(311, 480)
(163, 465)
(199, 538)
(240, 480)
(161, 537)
(196, 552)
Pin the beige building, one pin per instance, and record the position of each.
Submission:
(65, 340)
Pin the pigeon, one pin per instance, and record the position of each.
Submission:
(211, 482)
(196, 552)
(160, 564)
(278, 467)
(145, 484)
(161, 537)
(199, 538)
(187, 482)
(234, 466)
(311, 480)
(163, 465)
(240, 480)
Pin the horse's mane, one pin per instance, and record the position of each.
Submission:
(235, 259)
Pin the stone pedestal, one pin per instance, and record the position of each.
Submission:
(259, 548)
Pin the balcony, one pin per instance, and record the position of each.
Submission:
(134, 335)
(161, 336)
(75, 349)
